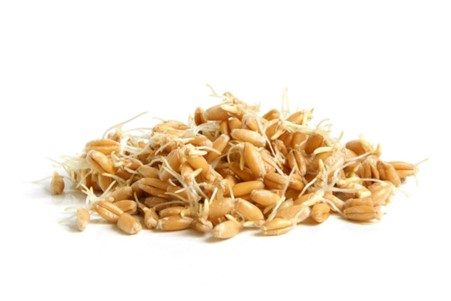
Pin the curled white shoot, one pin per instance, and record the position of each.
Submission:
(307, 186)
(116, 179)
(121, 124)
(91, 197)
(213, 93)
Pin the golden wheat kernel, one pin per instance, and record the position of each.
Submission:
(153, 201)
(219, 207)
(224, 127)
(404, 173)
(199, 162)
(371, 161)
(153, 191)
(381, 169)
(177, 192)
(57, 184)
(127, 206)
(248, 211)
(202, 225)
(359, 147)
(248, 136)
(147, 171)
(276, 232)
(174, 159)
(297, 162)
(277, 223)
(111, 207)
(170, 127)
(313, 142)
(380, 193)
(360, 213)
(268, 160)
(82, 218)
(273, 131)
(128, 224)
(150, 218)
(216, 113)
(289, 212)
(291, 193)
(107, 211)
(280, 147)
(320, 212)
(264, 197)
(277, 179)
(272, 114)
(226, 229)
(174, 223)
(296, 182)
(253, 160)
(277, 226)
(390, 174)
(298, 140)
(122, 173)
(295, 213)
(199, 116)
(303, 198)
(244, 188)
(251, 123)
(286, 139)
(273, 185)
(121, 193)
(99, 162)
(234, 123)
(132, 163)
(299, 117)
(364, 170)
(173, 210)
(200, 140)
(154, 182)
(104, 182)
(219, 145)
(105, 146)
(400, 165)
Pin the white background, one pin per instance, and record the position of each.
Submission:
(70, 69)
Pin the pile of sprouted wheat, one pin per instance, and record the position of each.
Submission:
(230, 168)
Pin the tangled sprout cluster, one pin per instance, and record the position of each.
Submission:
(228, 168)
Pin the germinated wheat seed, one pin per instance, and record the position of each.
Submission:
(230, 168)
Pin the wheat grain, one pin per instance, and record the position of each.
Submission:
(57, 184)
(248, 136)
(174, 223)
(320, 212)
(128, 224)
(108, 211)
(82, 218)
(245, 188)
(248, 211)
(127, 206)
(100, 162)
(226, 229)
